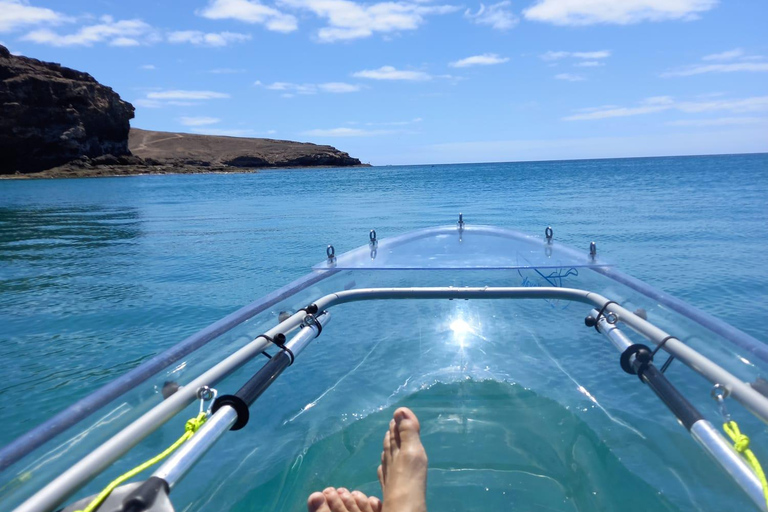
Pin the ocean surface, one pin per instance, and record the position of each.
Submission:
(98, 275)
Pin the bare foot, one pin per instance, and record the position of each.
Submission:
(403, 470)
(341, 500)
(402, 474)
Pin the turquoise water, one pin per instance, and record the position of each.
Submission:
(98, 275)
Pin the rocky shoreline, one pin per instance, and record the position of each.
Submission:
(57, 122)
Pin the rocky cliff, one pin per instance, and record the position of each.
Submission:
(51, 115)
(56, 122)
(234, 152)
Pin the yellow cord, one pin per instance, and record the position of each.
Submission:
(189, 429)
(741, 443)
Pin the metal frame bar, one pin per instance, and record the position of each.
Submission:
(58, 490)
(84, 407)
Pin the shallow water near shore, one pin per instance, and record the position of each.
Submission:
(98, 275)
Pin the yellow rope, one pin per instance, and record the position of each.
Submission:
(189, 429)
(741, 443)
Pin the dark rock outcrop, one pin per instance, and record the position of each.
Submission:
(51, 115)
(238, 152)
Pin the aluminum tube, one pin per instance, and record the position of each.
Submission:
(99, 398)
(185, 458)
(742, 392)
(179, 464)
(716, 445)
(612, 332)
(298, 343)
(53, 494)
(739, 390)
(449, 292)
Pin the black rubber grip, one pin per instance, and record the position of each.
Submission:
(259, 383)
(672, 398)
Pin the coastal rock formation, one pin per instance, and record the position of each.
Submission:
(51, 115)
(238, 152)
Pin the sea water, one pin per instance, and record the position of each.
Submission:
(97, 275)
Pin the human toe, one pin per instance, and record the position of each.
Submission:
(362, 501)
(375, 503)
(407, 427)
(349, 501)
(334, 500)
(316, 503)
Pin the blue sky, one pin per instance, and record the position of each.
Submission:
(426, 81)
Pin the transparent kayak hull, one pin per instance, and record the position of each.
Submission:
(521, 404)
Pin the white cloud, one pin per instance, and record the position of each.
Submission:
(738, 62)
(486, 59)
(338, 87)
(345, 132)
(291, 89)
(250, 12)
(719, 68)
(391, 73)
(177, 98)
(498, 16)
(729, 55)
(199, 38)
(589, 64)
(198, 121)
(621, 12)
(148, 67)
(351, 20)
(664, 103)
(116, 33)
(569, 77)
(15, 14)
(720, 121)
(601, 54)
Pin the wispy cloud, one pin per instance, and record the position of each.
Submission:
(392, 73)
(177, 98)
(17, 14)
(759, 67)
(620, 12)
(498, 16)
(730, 61)
(199, 38)
(720, 121)
(486, 59)
(589, 64)
(664, 103)
(250, 12)
(198, 121)
(116, 33)
(600, 54)
(727, 55)
(348, 20)
(148, 67)
(569, 77)
(289, 89)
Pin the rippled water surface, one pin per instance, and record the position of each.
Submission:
(98, 275)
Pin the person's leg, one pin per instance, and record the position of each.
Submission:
(341, 500)
(402, 474)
